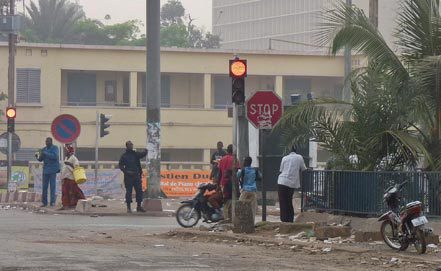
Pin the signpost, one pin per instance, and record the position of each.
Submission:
(264, 110)
(16, 143)
(65, 128)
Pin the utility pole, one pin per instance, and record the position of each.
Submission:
(11, 85)
(153, 108)
(348, 67)
(373, 12)
(97, 137)
(243, 141)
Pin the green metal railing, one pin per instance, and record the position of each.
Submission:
(361, 193)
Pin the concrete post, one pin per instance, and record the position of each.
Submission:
(153, 94)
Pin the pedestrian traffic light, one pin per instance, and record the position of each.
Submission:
(103, 125)
(11, 113)
(238, 72)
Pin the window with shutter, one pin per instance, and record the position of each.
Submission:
(28, 85)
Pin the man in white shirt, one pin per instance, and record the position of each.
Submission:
(289, 180)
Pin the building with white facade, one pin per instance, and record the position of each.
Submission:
(284, 24)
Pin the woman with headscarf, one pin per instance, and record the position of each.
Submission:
(71, 192)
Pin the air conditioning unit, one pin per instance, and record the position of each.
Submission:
(10, 23)
(295, 98)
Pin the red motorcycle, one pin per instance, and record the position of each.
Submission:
(406, 226)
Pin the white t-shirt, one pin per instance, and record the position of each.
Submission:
(67, 171)
(290, 170)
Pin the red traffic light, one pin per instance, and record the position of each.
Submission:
(238, 68)
(11, 112)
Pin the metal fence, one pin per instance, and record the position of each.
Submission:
(361, 193)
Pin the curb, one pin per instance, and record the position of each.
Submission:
(262, 240)
(241, 238)
(44, 210)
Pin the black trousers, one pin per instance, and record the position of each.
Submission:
(130, 182)
(285, 201)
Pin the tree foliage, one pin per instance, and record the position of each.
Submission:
(178, 30)
(52, 20)
(62, 21)
(395, 114)
(172, 12)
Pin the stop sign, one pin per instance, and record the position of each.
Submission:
(264, 109)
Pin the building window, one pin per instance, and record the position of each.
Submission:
(81, 89)
(28, 85)
(222, 92)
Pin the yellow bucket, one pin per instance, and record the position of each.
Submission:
(79, 175)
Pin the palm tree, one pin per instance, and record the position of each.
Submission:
(410, 82)
(52, 20)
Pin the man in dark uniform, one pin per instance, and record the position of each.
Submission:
(215, 158)
(130, 165)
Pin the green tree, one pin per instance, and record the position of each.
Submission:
(172, 12)
(176, 33)
(413, 127)
(52, 20)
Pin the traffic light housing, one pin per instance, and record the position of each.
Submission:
(103, 126)
(11, 113)
(238, 72)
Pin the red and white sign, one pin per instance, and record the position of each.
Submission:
(264, 109)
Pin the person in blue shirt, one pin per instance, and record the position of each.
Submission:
(248, 177)
(49, 155)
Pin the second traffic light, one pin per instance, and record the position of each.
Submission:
(103, 126)
(11, 113)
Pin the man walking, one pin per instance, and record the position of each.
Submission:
(289, 180)
(225, 177)
(49, 155)
(130, 165)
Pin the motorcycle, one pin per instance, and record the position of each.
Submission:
(191, 211)
(400, 228)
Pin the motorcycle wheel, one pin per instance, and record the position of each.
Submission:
(420, 242)
(388, 232)
(185, 217)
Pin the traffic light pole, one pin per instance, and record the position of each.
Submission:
(11, 85)
(234, 168)
(97, 138)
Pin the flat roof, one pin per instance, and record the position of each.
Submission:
(165, 49)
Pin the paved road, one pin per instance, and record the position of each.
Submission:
(31, 241)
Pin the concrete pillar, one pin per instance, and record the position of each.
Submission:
(278, 88)
(208, 94)
(133, 89)
(119, 88)
(244, 222)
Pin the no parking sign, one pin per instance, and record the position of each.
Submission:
(65, 128)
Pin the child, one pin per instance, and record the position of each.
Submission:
(247, 178)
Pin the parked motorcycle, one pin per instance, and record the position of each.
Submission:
(406, 226)
(191, 211)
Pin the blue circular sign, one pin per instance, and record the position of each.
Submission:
(65, 128)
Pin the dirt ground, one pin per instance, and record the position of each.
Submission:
(63, 242)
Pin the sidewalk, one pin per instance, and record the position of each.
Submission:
(114, 207)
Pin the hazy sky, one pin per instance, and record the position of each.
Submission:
(121, 11)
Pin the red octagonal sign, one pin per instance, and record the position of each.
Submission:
(264, 109)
